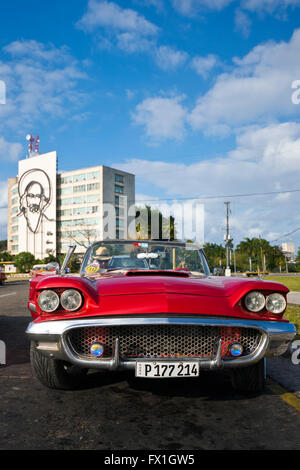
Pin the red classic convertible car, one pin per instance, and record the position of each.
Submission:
(153, 308)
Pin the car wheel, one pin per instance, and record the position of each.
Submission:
(55, 374)
(249, 379)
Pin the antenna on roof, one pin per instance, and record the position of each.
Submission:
(37, 145)
(33, 143)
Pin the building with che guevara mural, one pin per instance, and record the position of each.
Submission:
(49, 210)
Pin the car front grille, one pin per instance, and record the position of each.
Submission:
(158, 341)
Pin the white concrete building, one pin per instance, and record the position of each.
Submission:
(49, 210)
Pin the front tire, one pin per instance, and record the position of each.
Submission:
(250, 379)
(52, 373)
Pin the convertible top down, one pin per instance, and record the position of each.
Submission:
(152, 307)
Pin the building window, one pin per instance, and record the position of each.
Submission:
(15, 228)
(64, 213)
(119, 212)
(15, 191)
(119, 223)
(93, 186)
(15, 200)
(15, 247)
(79, 200)
(66, 180)
(79, 189)
(119, 178)
(93, 198)
(66, 202)
(119, 189)
(93, 175)
(119, 234)
(79, 178)
(62, 191)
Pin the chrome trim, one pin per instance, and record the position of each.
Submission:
(275, 339)
(32, 307)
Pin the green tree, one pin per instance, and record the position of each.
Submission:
(3, 245)
(5, 256)
(215, 254)
(24, 261)
(166, 225)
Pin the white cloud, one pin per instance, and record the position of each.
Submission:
(264, 160)
(41, 81)
(268, 6)
(162, 118)
(9, 151)
(35, 50)
(242, 23)
(204, 65)
(258, 88)
(109, 15)
(3, 194)
(168, 58)
(129, 31)
(131, 42)
(192, 7)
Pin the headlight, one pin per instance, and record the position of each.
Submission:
(48, 301)
(71, 300)
(276, 303)
(255, 301)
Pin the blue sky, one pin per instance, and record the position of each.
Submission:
(193, 96)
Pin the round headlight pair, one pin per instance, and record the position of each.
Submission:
(255, 302)
(49, 300)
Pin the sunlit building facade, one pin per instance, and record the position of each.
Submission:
(49, 210)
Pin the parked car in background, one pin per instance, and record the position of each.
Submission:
(153, 308)
(44, 268)
(2, 275)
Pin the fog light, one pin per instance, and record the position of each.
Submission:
(236, 349)
(97, 349)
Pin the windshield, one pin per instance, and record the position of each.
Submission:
(104, 257)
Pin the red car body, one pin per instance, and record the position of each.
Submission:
(141, 304)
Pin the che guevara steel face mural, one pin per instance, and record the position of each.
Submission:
(35, 197)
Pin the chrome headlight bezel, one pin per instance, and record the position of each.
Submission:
(269, 299)
(55, 298)
(74, 293)
(261, 303)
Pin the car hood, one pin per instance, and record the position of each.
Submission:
(139, 282)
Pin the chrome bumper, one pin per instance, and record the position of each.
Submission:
(50, 339)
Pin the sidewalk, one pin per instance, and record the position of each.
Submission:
(293, 298)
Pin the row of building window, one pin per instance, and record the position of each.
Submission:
(77, 178)
(78, 211)
(78, 189)
(80, 222)
(79, 234)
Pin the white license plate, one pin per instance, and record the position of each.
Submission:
(166, 369)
